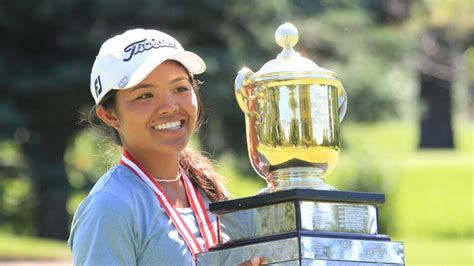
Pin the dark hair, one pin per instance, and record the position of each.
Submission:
(194, 163)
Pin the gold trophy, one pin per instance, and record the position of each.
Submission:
(292, 109)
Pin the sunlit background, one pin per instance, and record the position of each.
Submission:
(407, 67)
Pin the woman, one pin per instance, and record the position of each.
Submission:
(150, 209)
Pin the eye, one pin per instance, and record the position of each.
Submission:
(144, 96)
(182, 89)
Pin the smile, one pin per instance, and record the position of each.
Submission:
(169, 125)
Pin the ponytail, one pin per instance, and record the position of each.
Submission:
(202, 174)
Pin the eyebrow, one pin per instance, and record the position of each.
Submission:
(147, 85)
(178, 79)
(140, 86)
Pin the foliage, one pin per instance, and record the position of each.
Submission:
(239, 184)
(44, 75)
(352, 42)
(430, 198)
(88, 157)
(49, 46)
(16, 203)
(456, 16)
(428, 194)
(361, 171)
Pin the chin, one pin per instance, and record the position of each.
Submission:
(177, 148)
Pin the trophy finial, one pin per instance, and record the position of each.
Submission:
(287, 36)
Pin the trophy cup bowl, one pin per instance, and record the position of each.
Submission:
(293, 109)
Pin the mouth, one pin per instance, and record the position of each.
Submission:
(168, 126)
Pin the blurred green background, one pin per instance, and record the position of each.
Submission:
(407, 66)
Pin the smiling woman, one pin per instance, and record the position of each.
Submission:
(151, 208)
(156, 118)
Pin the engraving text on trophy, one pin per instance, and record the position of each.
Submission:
(352, 218)
(339, 217)
(320, 106)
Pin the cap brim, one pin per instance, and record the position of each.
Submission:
(191, 61)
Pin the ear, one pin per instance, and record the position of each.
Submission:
(109, 117)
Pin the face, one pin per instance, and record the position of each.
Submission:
(159, 114)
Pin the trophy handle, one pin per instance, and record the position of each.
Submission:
(341, 102)
(244, 87)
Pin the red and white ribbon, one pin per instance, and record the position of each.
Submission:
(195, 200)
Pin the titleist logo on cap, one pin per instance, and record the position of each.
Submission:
(142, 46)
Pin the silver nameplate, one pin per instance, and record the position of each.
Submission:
(338, 217)
(352, 250)
(257, 222)
(274, 251)
(281, 218)
(308, 262)
(310, 251)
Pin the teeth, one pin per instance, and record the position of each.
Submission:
(168, 126)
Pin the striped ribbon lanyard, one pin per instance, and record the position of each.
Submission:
(195, 200)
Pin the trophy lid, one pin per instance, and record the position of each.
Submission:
(289, 64)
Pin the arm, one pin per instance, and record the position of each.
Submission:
(102, 232)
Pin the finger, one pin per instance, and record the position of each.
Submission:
(258, 260)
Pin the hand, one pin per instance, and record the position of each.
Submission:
(255, 261)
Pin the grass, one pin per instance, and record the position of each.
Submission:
(399, 137)
(424, 251)
(433, 203)
(434, 207)
(14, 247)
(432, 196)
(435, 251)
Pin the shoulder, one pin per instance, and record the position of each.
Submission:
(120, 182)
(103, 201)
(103, 209)
(108, 211)
(103, 231)
(116, 193)
(116, 179)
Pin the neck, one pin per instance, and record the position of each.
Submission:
(160, 166)
(164, 167)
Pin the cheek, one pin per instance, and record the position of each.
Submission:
(194, 107)
(130, 114)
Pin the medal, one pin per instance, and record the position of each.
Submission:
(195, 200)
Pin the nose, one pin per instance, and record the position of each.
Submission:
(167, 105)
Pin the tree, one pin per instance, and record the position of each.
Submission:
(48, 48)
(435, 66)
(351, 38)
(441, 45)
(42, 70)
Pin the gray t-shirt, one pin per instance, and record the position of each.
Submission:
(121, 222)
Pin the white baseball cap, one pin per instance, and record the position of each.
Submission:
(127, 59)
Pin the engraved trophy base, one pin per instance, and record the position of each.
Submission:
(302, 227)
